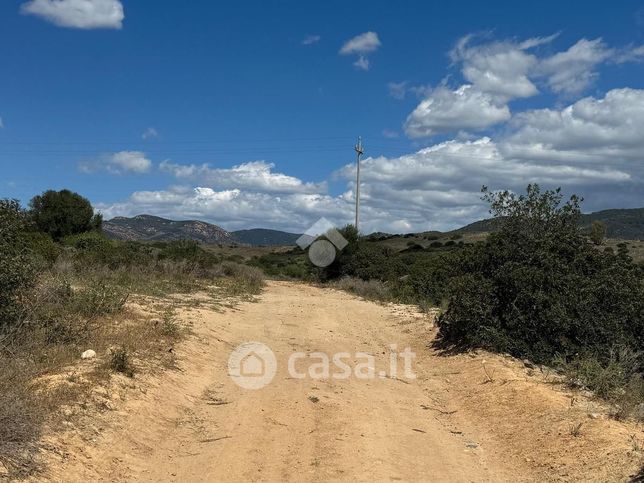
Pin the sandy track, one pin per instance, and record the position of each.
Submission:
(438, 427)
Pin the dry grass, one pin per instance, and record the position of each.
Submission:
(368, 289)
(69, 312)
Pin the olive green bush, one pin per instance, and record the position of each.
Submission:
(538, 289)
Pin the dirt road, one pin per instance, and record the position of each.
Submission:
(453, 422)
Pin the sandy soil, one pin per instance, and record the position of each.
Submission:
(470, 417)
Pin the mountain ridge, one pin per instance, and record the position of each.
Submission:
(155, 228)
(625, 223)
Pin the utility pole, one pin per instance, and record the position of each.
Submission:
(359, 152)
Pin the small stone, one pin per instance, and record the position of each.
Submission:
(68, 413)
(88, 354)
(593, 416)
(314, 399)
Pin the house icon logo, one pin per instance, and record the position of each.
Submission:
(252, 365)
(323, 241)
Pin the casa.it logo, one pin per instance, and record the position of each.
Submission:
(252, 365)
(323, 241)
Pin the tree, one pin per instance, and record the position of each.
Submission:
(598, 232)
(63, 213)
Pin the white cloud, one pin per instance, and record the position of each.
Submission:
(501, 71)
(499, 68)
(590, 131)
(256, 175)
(128, 162)
(362, 63)
(82, 14)
(439, 186)
(434, 188)
(498, 72)
(361, 44)
(445, 111)
(629, 54)
(149, 133)
(234, 209)
(572, 71)
(122, 162)
(397, 90)
(311, 39)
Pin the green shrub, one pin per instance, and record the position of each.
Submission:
(537, 289)
(427, 278)
(88, 242)
(43, 248)
(618, 380)
(120, 362)
(99, 297)
(169, 326)
(17, 267)
(364, 260)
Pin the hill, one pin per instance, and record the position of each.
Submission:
(627, 224)
(154, 228)
(262, 236)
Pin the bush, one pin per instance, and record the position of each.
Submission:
(243, 280)
(63, 213)
(370, 290)
(427, 278)
(120, 362)
(363, 259)
(43, 248)
(537, 289)
(17, 269)
(99, 297)
(88, 242)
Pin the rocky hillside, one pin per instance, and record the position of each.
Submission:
(154, 228)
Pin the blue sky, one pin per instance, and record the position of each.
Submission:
(245, 113)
